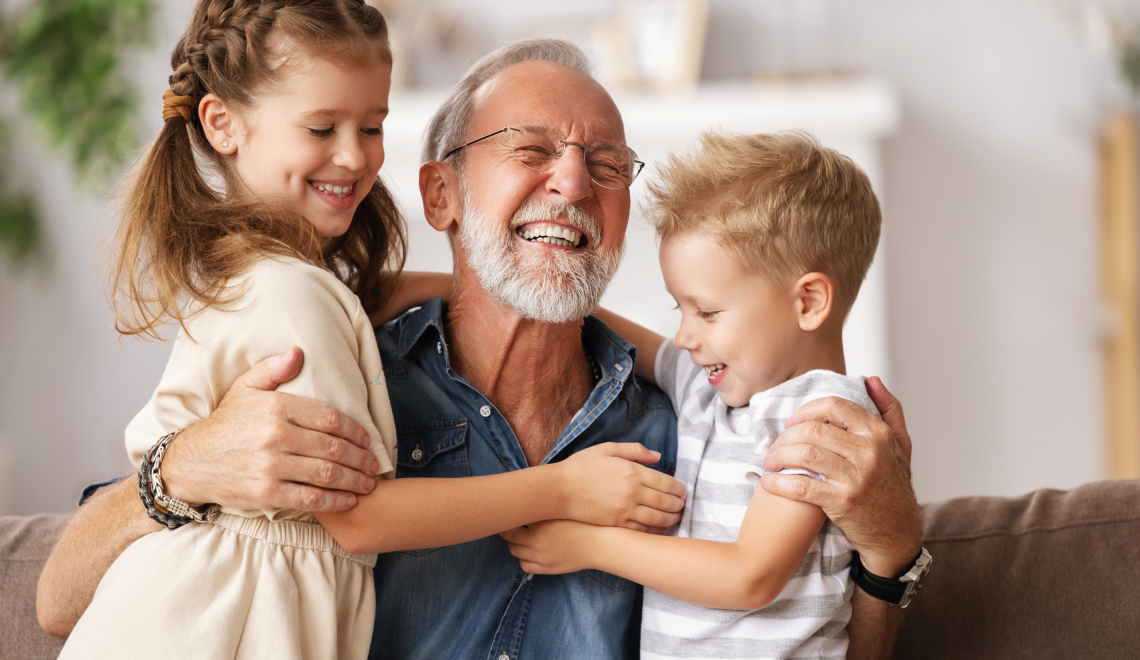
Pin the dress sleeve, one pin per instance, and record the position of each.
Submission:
(283, 304)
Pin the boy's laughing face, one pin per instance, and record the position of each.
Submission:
(738, 325)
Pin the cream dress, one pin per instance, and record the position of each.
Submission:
(252, 584)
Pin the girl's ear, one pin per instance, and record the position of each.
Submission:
(815, 294)
(217, 124)
(439, 189)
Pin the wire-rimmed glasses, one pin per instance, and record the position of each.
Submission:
(611, 164)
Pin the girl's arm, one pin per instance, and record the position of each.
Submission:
(746, 574)
(646, 341)
(413, 289)
(603, 485)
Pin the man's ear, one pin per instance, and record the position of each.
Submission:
(815, 295)
(218, 124)
(439, 189)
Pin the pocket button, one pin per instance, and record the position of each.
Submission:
(486, 412)
(417, 454)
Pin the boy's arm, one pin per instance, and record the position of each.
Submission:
(602, 484)
(413, 288)
(746, 574)
(646, 341)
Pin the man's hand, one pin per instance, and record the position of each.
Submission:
(868, 491)
(604, 485)
(268, 450)
(551, 547)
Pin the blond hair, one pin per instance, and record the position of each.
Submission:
(786, 204)
(180, 239)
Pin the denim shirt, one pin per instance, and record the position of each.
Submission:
(472, 600)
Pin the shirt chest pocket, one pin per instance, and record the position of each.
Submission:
(436, 449)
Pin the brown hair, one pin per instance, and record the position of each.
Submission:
(180, 239)
(788, 206)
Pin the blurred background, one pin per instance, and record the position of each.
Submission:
(999, 135)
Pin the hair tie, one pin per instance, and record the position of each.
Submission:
(174, 105)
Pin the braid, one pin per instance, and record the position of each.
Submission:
(180, 240)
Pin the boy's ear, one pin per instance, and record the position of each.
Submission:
(217, 124)
(439, 190)
(815, 295)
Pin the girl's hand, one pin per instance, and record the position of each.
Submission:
(413, 289)
(604, 485)
(552, 547)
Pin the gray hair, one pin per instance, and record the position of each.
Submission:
(449, 124)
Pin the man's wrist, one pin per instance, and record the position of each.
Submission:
(893, 563)
(175, 479)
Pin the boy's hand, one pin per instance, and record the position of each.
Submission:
(604, 485)
(552, 547)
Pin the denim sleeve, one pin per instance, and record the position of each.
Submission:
(90, 489)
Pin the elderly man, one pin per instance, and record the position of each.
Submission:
(512, 373)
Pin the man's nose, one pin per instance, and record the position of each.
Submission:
(569, 176)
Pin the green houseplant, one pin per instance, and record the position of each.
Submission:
(65, 59)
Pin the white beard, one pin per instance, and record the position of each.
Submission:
(549, 286)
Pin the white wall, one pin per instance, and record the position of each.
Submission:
(990, 203)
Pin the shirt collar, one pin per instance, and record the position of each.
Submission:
(614, 355)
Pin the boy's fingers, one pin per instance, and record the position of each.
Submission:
(514, 535)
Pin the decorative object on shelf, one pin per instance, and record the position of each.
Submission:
(652, 44)
(66, 59)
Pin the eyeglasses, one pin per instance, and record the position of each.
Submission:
(611, 164)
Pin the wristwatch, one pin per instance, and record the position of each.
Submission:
(163, 509)
(897, 591)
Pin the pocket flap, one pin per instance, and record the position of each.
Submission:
(416, 446)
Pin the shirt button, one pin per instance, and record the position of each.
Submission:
(486, 412)
(504, 657)
(417, 454)
(439, 347)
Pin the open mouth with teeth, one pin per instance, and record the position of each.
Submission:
(338, 191)
(714, 372)
(552, 235)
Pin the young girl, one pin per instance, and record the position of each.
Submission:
(284, 101)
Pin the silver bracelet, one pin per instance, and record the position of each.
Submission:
(168, 511)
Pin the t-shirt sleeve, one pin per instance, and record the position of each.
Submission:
(784, 400)
(283, 304)
(675, 372)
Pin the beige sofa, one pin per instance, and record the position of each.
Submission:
(1049, 575)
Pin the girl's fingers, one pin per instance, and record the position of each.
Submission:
(650, 517)
(655, 499)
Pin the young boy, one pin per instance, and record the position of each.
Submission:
(765, 241)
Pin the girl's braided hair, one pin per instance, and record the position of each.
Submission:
(181, 238)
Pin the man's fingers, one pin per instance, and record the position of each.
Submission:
(811, 458)
(317, 416)
(891, 411)
(325, 475)
(309, 498)
(801, 489)
(811, 439)
(632, 451)
(272, 371)
(842, 413)
(311, 444)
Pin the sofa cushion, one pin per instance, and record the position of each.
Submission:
(25, 544)
(1047, 575)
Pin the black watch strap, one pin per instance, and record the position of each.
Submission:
(896, 591)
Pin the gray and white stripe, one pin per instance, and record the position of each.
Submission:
(720, 457)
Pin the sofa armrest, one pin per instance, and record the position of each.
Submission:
(25, 543)
(1049, 574)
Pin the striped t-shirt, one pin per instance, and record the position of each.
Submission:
(720, 457)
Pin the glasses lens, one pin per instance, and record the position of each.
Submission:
(611, 164)
(534, 147)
